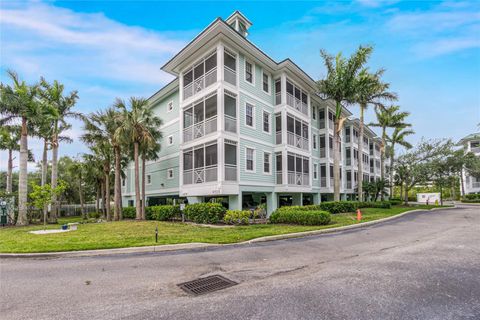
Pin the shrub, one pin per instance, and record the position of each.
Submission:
(395, 202)
(94, 215)
(295, 215)
(204, 212)
(162, 213)
(471, 200)
(338, 206)
(472, 196)
(129, 213)
(237, 217)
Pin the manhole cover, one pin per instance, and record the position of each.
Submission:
(206, 285)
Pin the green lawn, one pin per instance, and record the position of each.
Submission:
(132, 233)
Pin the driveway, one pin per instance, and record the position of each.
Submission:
(424, 265)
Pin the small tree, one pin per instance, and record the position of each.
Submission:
(42, 196)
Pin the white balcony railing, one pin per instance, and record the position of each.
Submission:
(331, 182)
(278, 137)
(279, 177)
(230, 124)
(200, 83)
(323, 182)
(349, 184)
(298, 178)
(322, 152)
(200, 129)
(230, 172)
(297, 104)
(297, 141)
(200, 175)
(278, 98)
(475, 149)
(476, 184)
(331, 124)
(230, 76)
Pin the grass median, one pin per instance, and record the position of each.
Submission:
(124, 234)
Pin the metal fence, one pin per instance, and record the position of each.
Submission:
(68, 210)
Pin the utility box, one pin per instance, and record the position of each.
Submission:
(430, 198)
(3, 212)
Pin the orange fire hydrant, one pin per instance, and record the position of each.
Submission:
(359, 215)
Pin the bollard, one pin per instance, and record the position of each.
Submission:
(359, 215)
(156, 234)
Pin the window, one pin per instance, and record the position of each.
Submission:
(278, 92)
(249, 114)
(170, 106)
(267, 159)
(249, 72)
(321, 117)
(149, 179)
(250, 163)
(266, 122)
(202, 74)
(314, 113)
(170, 140)
(315, 171)
(123, 182)
(314, 138)
(170, 174)
(131, 203)
(265, 82)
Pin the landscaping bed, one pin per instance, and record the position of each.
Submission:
(131, 233)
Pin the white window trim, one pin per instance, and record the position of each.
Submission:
(168, 106)
(269, 121)
(253, 115)
(168, 140)
(245, 72)
(254, 164)
(315, 165)
(168, 175)
(269, 92)
(148, 177)
(269, 163)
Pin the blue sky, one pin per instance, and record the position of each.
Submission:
(109, 49)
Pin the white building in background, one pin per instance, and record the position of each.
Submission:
(471, 143)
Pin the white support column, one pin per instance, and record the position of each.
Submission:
(283, 85)
(220, 68)
(284, 166)
(221, 160)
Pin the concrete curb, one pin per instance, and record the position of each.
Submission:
(202, 245)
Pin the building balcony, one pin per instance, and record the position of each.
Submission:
(297, 104)
(230, 76)
(298, 179)
(200, 83)
(200, 129)
(297, 141)
(476, 184)
(475, 149)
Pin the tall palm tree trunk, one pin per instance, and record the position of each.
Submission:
(107, 193)
(382, 160)
(392, 162)
(8, 188)
(461, 183)
(80, 195)
(143, 187)
(44, 171)
(360, 155)
(117, 210)
(336, 160)
(22, 218)
(138, 207)
(102, 195)
(97, 199)
(54, 211)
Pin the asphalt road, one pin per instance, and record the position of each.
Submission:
(421, 266)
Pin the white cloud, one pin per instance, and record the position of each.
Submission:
(100, 57)
(38, 37)
(376, 3)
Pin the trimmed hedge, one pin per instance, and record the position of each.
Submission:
(472, 196)
(295, 215)
(237, 217)
(129, 213)
(471, 201)
(162, 213)
(347, 206)
(395, 202)
(204, 212)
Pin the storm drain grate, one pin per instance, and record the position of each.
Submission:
(206, 285)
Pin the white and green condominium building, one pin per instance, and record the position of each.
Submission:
(240, 126)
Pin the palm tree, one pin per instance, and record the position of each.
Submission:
(9, 137)
(53, 96)
(19, 101)
(93, 175)
(95, 135)
(398, 137)
(340, 86)
(370, 90)
(388, 117)
(139, 127)
(101, 126)
(149, 152)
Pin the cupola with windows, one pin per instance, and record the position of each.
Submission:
(239, 22)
